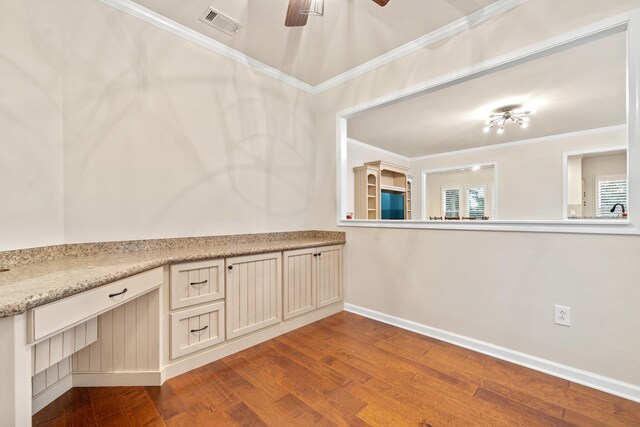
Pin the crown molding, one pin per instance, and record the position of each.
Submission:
(187, 33)
(428, 39)
(462, 24)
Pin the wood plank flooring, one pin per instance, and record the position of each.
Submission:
(347, 370)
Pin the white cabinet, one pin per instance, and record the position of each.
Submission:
(196, 282)
(197, 328)
(299, 284)
(312, 279)
(253, 293)
(329, 275)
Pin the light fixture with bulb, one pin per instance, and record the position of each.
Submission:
(509, 113)
(313, 7)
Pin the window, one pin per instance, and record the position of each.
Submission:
(451, 202)
(610, 190)
(476, 197)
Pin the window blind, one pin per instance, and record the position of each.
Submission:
(610, 191)
(475, 202)
(451, 203)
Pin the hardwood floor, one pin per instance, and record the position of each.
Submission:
(350, 371)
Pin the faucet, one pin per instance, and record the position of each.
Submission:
(615, 206)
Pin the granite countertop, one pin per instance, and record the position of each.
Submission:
(65, 270)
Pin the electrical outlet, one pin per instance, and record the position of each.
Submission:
(563, 315)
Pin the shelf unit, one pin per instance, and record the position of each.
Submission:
(370, 180)
(367, 203)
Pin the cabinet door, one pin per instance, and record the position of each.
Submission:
(196, 328)
(196, 282)
(328, 274)
(299, 288)
(254, 293)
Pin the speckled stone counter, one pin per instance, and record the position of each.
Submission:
(42, 275)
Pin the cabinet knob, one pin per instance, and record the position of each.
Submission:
(230, 267)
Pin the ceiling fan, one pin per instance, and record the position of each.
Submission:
(297, 18)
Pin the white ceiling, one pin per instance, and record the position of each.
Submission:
(581, 88)
(350, 33)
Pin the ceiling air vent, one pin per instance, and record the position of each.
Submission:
(220, 21)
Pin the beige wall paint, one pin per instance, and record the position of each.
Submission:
(159, 137)
(530, 176)
(462, 179)
(164, 138)
(138, 163)
(503, 294)
(31, 186)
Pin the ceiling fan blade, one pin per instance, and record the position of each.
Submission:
(381, 2)
(294, 17)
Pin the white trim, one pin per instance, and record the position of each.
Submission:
(629, 23)
(117, 379)
(50, 394)
(579, 376)
(455, 27)
(377, 149)
(547, 138)
(187, 33)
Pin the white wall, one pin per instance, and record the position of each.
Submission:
(164, 138)
(530, 176)
(505, 293)
(138, 163)
(31, 186)
(159, 137)
(462, 179)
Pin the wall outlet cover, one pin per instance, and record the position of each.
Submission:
(563, 315)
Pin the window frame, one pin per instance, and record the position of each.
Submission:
(596, 192)
(443, 207)
(628, 23)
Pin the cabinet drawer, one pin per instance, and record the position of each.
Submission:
(196, 282)
(60, 315)
(196, 328)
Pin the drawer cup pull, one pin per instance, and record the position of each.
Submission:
(198, 283)
(200, 330)
(124, 291)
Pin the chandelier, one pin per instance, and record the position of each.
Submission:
(510, 113)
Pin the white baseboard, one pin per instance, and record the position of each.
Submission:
(579, 376)
(189, 363)
(50, 394)
(116, 379)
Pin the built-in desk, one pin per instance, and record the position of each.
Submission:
(140, 312)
